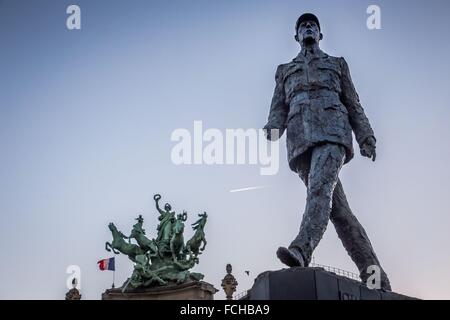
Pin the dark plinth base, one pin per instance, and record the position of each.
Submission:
(313, 284)
(196, 290)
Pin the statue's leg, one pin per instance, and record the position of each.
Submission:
(326, 162)
(354, 237)
(204, 244)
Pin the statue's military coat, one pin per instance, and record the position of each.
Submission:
(316, 101)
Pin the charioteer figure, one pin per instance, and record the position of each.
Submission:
(167, 219)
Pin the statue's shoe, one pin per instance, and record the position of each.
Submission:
(290, 257)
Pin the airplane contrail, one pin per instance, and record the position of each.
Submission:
(248, 189)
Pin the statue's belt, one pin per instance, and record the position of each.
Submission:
(304, 97)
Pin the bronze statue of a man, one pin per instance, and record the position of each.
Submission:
(316, 102)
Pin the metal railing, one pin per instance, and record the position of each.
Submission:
(340, 272)
(241, 295)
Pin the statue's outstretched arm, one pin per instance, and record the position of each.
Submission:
(157, 197)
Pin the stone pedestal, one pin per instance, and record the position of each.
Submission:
(195, 290)
(314, 284)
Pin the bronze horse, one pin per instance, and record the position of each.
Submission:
(119, 245)
(193, 245)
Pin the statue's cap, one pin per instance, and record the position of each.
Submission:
(307, 17)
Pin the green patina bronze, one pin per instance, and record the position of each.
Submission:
(166, 259)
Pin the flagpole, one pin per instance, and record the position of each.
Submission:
(114, 277)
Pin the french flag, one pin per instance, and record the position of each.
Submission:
(107, 264)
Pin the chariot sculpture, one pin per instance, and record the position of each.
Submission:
(165, 259)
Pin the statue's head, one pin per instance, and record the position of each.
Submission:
(307, 29)
(168, 207)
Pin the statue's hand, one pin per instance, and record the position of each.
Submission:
(368, 148)
(272, 135)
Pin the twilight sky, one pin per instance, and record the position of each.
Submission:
(86, 118)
